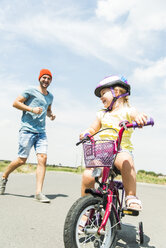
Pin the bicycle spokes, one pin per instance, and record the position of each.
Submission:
(88, 234)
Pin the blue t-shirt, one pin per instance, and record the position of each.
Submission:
(35, 122)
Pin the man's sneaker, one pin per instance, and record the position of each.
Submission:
(3, 182)
(42, 198)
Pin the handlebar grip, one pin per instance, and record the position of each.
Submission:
(78, 143)
(149, 122)
(86, 135)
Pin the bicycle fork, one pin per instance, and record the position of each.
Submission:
(107, 213)
(101, 229)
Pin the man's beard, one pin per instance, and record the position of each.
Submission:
(44, 85)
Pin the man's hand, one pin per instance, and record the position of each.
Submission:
(37, 110)
(52, 117)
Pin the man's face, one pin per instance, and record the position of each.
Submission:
(45, 81)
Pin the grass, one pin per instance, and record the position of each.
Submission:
(146, 177)
(65, 169)
(31, 168)
(142, 176)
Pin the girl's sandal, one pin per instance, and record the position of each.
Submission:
(131, 199)
(83, 222)
(81, 226)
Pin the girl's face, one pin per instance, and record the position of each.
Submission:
(106, 97)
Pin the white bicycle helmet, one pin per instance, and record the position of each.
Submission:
(111, 82)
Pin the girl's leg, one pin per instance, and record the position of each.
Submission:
(87, 181)
(125, 165)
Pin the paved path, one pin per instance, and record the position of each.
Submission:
(25, 223)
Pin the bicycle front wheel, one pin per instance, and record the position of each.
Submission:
(83, 221)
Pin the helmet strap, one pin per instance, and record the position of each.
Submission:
(115, 98)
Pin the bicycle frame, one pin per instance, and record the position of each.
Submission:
(111, 189)
(112, 192)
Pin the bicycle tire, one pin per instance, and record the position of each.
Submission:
(141, 232)
(71, 236)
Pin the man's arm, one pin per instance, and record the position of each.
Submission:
(50, 114)
(19, 104)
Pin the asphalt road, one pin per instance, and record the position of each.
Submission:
(25, 223)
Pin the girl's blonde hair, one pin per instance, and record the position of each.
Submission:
(119, 91)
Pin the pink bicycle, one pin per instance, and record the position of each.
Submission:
(102, 210)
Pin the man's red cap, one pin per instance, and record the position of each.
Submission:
(45, 72)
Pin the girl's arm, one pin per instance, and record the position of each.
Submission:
(94, 128)
(139, 117)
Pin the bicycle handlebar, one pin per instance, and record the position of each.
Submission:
(87, 136)
(149, 122)
(134, 124)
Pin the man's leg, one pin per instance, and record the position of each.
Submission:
(25, 144)
(41, 151)
(13, 165)
(40, 172)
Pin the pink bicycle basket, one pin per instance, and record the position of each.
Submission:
(99, 153)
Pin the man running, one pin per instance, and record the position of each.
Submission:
(36, 105)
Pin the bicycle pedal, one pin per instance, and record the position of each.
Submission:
(131, 212)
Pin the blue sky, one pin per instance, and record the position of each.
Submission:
(81, 42)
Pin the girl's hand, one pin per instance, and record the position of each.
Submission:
(141, 119)
(82, 135)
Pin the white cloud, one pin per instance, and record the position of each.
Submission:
(149, 15)
(114, 36)
(140, 14)
(112, 9)
(151, 77)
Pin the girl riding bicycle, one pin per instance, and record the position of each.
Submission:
(113, 92)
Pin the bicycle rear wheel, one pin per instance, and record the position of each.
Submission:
(91, 210)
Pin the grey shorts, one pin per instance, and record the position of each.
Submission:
(129, 152)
